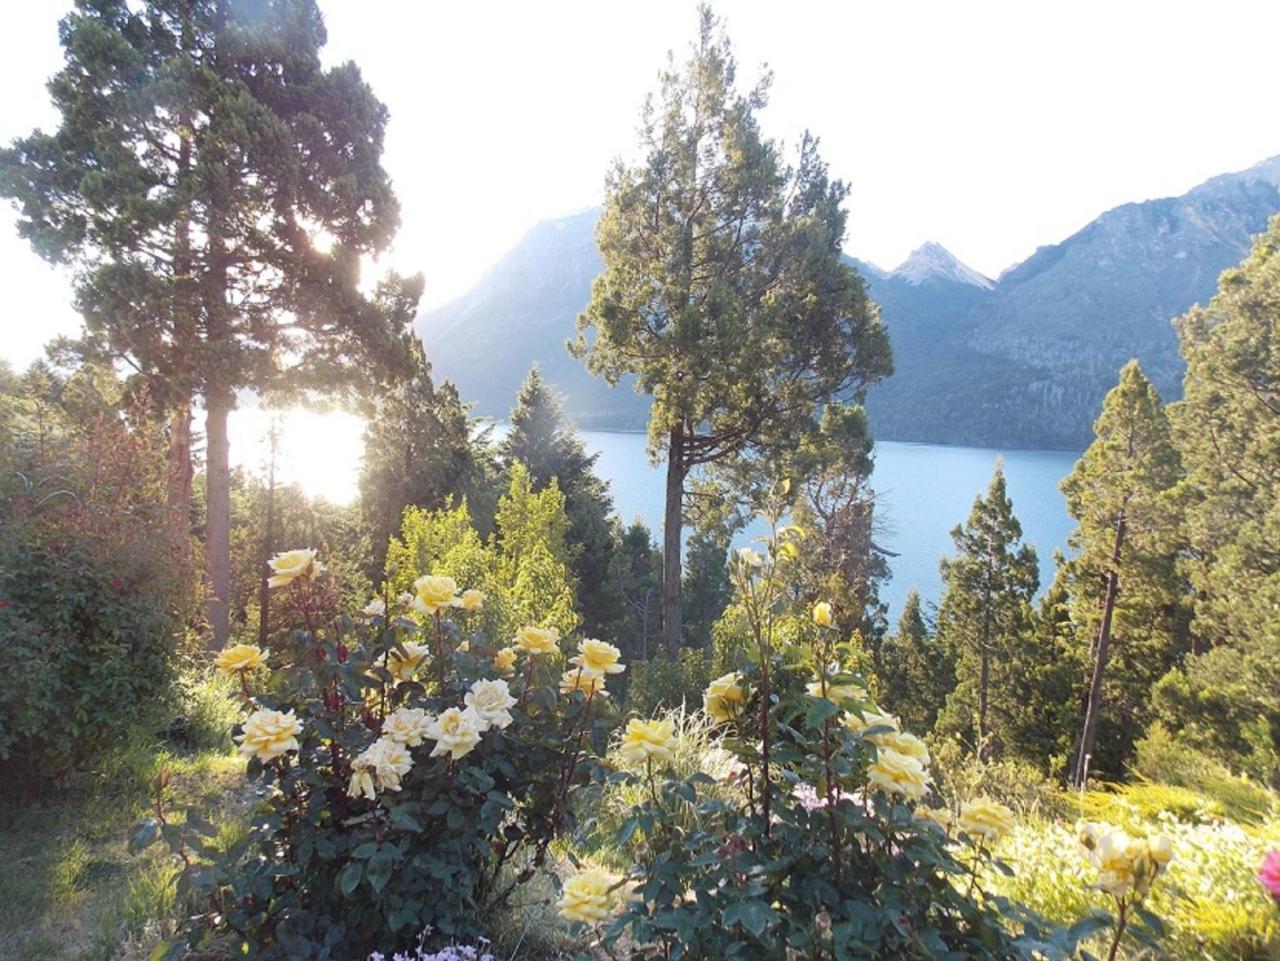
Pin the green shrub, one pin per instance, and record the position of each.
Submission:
(351, 849)
(659, 684)
(960, 777)
(1165, 758)
(88, 660)
(204, 713)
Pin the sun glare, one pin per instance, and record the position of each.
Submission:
(320, 452)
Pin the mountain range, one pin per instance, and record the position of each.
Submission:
(1022, 360)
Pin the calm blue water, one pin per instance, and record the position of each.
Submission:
(924, 490)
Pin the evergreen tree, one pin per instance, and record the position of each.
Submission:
(723, 289)
(203, 154)
(986, 606)
(1125, 596)
(1226, 699)
(548, 447)
(636, 573)
(1228, 430)
(707, 587)
(916, 672)
(1044, 676)
(418, 452)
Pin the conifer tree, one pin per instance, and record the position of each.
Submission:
(1123, 578)
(986, 606)
(707, 587)
(418, 452)
(723, 288)
(543, 441)
(216, 188)
(1228, 429)
(916, 672)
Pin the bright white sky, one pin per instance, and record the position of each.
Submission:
(990, 127)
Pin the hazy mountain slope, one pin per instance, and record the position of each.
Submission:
(1021, 361)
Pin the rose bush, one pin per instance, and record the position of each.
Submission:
(410, 774)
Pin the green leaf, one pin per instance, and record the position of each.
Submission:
(145, 833)
(349, 877)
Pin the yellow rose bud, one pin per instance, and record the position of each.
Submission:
(822, 614)
(505, 660)
(472, 600)
(538, 640)
(724, 697)
(240, 658)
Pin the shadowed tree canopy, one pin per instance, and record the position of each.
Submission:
(723, 291)
(216, 188)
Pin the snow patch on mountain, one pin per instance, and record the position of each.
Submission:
(932, 261)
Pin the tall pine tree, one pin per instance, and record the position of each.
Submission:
(1125, 596)
(216, 188)
(985, 609)
(723, 289)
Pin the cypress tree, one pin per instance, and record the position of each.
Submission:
(916, 672)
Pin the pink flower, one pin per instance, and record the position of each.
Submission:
(1269, 873)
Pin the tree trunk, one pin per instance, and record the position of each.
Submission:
(672, 523)
(984, 685)
(180, 468)
(1089, 733)
(218, 524)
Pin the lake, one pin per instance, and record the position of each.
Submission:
(924, 491)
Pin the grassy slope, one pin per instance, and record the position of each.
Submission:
(70, 890)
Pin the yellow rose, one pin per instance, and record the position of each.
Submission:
(587, 897)
(598, 658)
(382, 764)
(1161, 849)
(648, 741)
(894, 773)
(986, 819)
(903, 743)
(290, 565)
(837, 692)
(408, 725)
(724, 697)
(505, 660)
(492, 702)
(538, 640)
(267, 735)
(239, 658)
(750, 558)
(455, 733)
(869, 719)
(1110, 857)
(403, 666)
(577, 679)
(472, 600)
(433, 593)
(822, 614)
